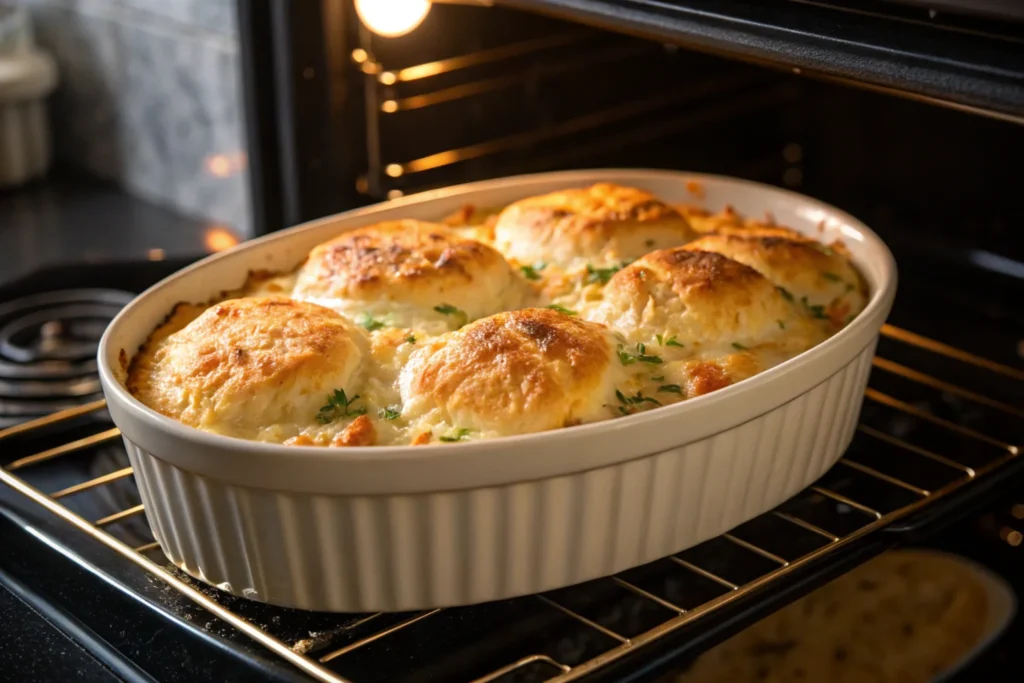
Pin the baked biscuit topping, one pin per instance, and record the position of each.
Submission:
(600, 224)
(574, 307)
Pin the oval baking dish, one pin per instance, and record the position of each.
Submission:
(401, 528)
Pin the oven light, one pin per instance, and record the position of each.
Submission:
(392, 18)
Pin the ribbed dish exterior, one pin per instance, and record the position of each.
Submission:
(405, 552)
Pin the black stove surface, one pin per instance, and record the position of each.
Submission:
(83, 613)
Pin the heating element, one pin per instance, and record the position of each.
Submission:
(938, 425)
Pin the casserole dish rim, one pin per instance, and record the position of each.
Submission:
(383, 469)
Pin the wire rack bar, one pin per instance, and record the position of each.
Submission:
(892, 402)
(941, 385)
(704, 572)
(650, 596)
(146, 547)
(512, 50)
(872, 472)
(377, 636)
(119, 516)
(882, 436)
(92, 483)
(579, 617)
(53, 418)
(840, 498)
(806, 525)
(914, 339)
(70, 447)
(756, 549)
(519, 664)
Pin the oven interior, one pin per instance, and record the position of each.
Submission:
(478, 92)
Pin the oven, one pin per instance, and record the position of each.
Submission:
(906, 114)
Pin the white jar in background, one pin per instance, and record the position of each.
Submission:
(27, 77)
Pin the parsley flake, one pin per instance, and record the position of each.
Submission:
(338, 405)
(671, 341)
(561, 309)
(458, 435)
(782, 325)
(671, 389)
(369, 322)
(831, 276)
(658, 378)
(629, 402)
(389, 413)
(817, 311)
(447, 309)
(738, 346)
(629, 357)
(785, 293)
(411, 339)
(603, 275)
(532, 272)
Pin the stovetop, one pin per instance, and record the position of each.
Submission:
(80, 611)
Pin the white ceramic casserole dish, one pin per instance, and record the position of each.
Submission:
(402, 528)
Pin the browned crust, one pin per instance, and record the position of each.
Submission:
(513, 363)
(595, 211)
(687, 269)
(397, 251)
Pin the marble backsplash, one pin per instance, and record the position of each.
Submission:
(150, 96)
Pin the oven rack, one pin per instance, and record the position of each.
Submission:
(891, 478)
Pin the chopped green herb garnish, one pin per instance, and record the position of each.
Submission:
(458, 435)
(561, 309)
(649, 243)
(533, 272)
(738, 346)
(411, 339)
(369, 322)
(671, 389)
(658, 378)
(389, 413)
(628, 402)
(448, 309)
(782, 325)
(628, 357)
(849, 287)
(603, 275)
(831, 276)
(338, 405)
(827, 251)
(671, 341)
(817, 311)
(785, 293)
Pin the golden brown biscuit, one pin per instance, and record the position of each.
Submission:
(408, 274)
(705, 303)
(512, 373)
(817, 277)
(245, 364)
(600, 224)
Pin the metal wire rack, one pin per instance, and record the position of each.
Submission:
(922, 438)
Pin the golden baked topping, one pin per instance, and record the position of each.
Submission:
(601, 224)
(403, 273)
